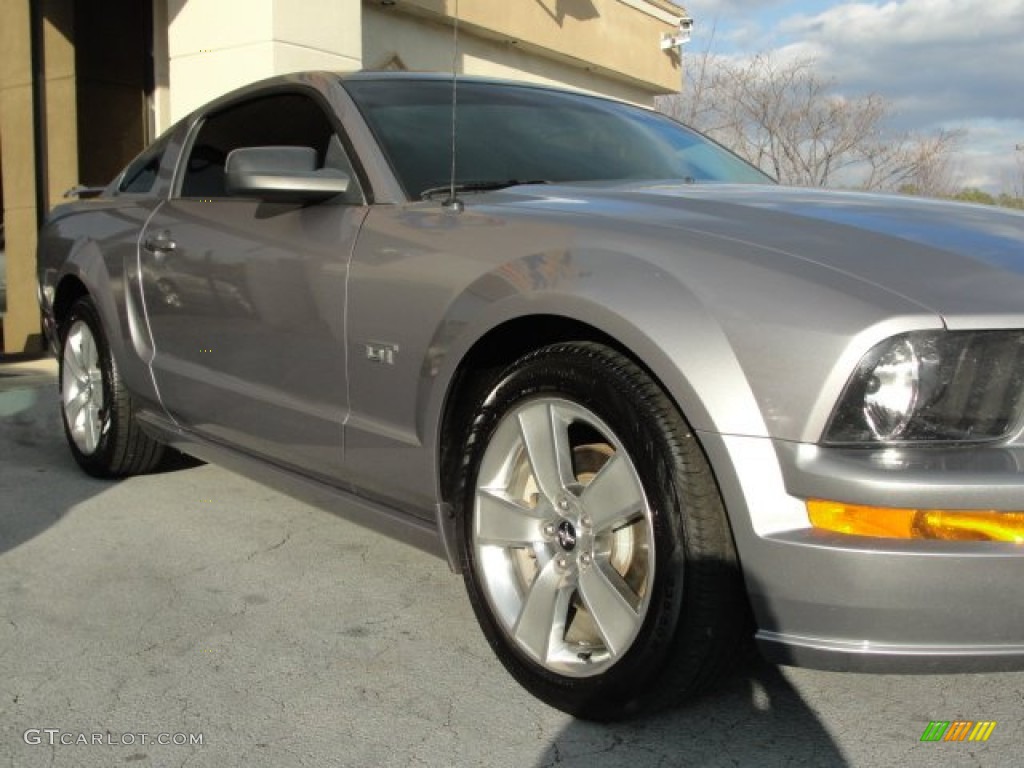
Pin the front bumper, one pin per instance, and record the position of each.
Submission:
(832, 601)
(879, 605)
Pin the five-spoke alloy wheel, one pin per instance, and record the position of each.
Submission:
(99, 416)
(594, 544)
(82, 391)
(563, 537)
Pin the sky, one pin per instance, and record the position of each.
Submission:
(942, 64)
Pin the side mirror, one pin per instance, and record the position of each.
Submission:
(281, 174)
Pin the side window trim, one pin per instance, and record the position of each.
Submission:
(199, 119)
(156, 151)
(186, 150)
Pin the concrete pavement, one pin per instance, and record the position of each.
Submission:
(200, 606)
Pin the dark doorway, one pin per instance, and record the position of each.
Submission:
(114, 72)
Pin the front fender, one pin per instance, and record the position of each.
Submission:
(622, 297)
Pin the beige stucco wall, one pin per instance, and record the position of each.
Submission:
(21, 324)
(611, 41)
(214, 46)
(61, 107)
(16, 143)
(424, 44)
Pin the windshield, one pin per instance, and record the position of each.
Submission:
(511, 133)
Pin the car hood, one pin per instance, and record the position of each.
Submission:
(964, 262)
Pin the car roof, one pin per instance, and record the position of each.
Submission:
(305, 78)
(374, 74)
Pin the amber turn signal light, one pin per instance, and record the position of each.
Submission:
(896, 523)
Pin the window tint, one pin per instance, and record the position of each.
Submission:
(140, 175)
(526, 134)
(285, 119)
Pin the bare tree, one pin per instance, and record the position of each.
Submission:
(786, 119)
(919, 164)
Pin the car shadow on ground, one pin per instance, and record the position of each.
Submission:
(40, 481)
(751, 716)
(754, 717)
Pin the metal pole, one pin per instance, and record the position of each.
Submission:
(36, 17)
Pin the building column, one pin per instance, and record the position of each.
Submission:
(215, 46)
(22, 195)
(17, 131)
(61, 105)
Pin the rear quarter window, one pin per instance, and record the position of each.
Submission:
(141, 174)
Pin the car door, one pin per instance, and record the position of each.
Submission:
(245, 297)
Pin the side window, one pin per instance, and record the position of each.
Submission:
(278, 120)
(138, 178)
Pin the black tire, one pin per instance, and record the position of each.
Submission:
(690, 607)
(113, 444)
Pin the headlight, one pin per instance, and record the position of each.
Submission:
(932, 386)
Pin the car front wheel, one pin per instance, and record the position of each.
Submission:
(98, 413)
(594, 545)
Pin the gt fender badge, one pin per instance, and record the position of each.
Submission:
(380, 352)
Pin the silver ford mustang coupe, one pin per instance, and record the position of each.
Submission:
(644, 400)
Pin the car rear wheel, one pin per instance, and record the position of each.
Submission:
(594, 545)
(98, 413)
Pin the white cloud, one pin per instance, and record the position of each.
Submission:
(916, 23)
(990, 160)
(942, 63)
(739, 24)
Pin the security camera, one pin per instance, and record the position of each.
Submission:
(680, 38)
